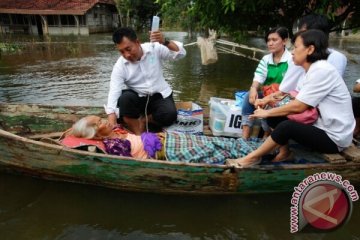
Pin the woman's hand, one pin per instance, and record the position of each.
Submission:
(259, 113)
(269, 99)
(356, 87)
(261, 103)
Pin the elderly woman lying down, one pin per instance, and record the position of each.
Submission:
(165, 145)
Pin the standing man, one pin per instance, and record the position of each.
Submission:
(138, 91)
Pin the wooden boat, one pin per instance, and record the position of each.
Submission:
(21, 127)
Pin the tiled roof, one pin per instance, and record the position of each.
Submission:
(48, 7)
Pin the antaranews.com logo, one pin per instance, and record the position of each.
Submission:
(321, 202)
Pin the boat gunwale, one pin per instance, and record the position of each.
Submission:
(265, 167)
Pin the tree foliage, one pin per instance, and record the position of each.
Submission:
(232, 16)
(237, 16)
(178, 13)
(137, 13)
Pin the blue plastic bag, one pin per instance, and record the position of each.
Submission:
(239, 98)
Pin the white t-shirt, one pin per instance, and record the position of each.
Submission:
(338, 60)
(144, 76)
(295, 73)
(324, 88)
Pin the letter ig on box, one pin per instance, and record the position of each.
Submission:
(225, 117)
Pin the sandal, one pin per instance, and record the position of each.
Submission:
(234, 163)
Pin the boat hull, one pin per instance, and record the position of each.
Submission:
(21, 154)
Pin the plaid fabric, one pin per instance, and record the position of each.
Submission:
(204, 149)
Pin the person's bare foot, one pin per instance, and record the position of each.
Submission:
(266, 135)
(242, 162)
(356, 133)
(283, 156)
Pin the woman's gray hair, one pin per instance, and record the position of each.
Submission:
(83, 129)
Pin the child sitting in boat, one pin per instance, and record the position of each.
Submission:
(165, 145)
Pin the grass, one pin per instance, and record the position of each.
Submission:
(10, 47)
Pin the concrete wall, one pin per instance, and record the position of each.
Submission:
(100, 19)
(68, 30)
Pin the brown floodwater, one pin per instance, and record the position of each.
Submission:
(76, 71)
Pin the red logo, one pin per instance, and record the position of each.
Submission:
(325, 206)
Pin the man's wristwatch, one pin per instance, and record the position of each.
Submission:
(166, 42)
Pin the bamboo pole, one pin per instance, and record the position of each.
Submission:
(232, 50)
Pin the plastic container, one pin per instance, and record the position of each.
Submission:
(155, 23)
(225, 117)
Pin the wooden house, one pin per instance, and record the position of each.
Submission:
(57, 17)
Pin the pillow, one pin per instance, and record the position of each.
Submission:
(81, 143)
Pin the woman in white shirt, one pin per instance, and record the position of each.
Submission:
(323, 88)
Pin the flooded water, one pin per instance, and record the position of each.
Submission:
(76, 71)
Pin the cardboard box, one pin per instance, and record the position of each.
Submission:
(225, 117)
(189, 119)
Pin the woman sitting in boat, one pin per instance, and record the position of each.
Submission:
(177, 147)
(322, 87)
(267, 77)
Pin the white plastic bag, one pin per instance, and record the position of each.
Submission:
(207, 48)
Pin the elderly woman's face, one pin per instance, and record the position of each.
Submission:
(102, 126)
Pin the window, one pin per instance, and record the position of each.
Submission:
(33, 20)
(71, 20)
(14, 19)
(4, 18)
(82, 20)
(50, 20)
(63, 20)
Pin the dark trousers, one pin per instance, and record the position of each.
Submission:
(163, 110)
(304, 134)
(356, 106)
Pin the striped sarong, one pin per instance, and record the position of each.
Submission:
(204, 149)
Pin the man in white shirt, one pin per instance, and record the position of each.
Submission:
(336, 58)
(139, 93)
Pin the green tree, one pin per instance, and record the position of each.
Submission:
(237, 17)
(136, 13)
(245, 15)
(178, 14)
(124, 9)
